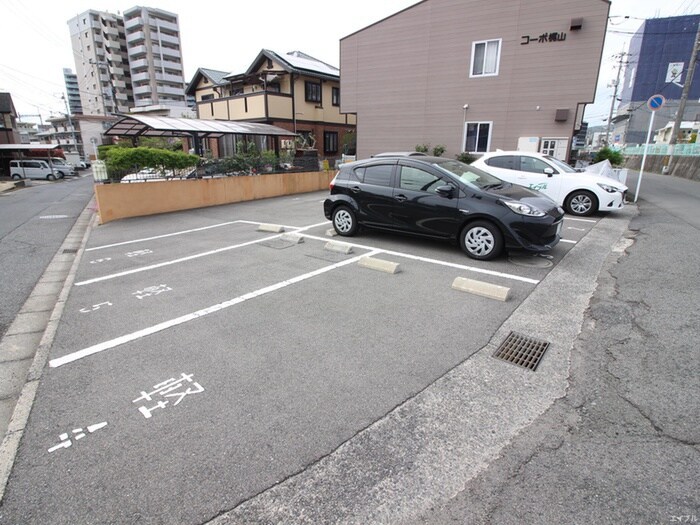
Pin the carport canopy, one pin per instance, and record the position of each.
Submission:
(137, 126)
(28, 147)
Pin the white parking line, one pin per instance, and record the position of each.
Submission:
(433, 261)
(161, 236)
(580, 220)
(101, 347)
(189, 257)
(567, 241)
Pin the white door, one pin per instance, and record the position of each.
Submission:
(555, 147)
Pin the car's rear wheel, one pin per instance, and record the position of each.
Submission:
(344, 221)
(581, 203)
(50, 176)
(482, 240)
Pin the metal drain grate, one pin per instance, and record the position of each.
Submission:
(522, 350)
(70, 250)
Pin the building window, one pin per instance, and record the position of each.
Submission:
(330, 142)
(477, 137)
(313, 92)
(207, 97)
(335, 96)
(486, 57)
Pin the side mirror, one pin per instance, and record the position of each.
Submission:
(549, 172)
(445, 191)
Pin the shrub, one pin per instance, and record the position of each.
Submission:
(438, 150)
(614, 156)
(465, 157)
(125, 159)
(423, 148)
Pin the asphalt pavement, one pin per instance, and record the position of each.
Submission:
(302, 422)
(623, 445)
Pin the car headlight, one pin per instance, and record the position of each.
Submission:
(608, 188)
(524, 209)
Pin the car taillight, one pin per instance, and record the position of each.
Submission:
(330, 186)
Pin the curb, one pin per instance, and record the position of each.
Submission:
(74, 242)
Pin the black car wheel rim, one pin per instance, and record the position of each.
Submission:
(343, 221)
(479, 241)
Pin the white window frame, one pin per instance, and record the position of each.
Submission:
(498, 57)
(478, 123)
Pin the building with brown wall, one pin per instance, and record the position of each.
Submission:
(293, 91)
(474, 76)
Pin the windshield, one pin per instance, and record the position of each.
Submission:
(469, 174)
(563, 166)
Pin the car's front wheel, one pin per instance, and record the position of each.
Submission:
(581, 203)
(50, 176)
(16, 176)
(482, 240)
(344, 221)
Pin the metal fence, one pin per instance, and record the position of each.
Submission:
(686, 150)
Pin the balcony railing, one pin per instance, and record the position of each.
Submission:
(133, 22)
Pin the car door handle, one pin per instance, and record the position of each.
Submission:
(400, 198)
(355, 189)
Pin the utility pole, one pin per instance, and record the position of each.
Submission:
(620, 63)
(70, 123)
(684, 99)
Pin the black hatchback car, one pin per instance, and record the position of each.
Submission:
(442, 198)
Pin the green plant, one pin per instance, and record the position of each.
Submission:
(121, 159)
(423, 148)
(693, 138)
(438, 150)
(615, 157)
(465, 157)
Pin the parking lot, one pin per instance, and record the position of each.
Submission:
(205, 356)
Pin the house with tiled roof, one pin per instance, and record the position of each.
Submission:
(292, 90)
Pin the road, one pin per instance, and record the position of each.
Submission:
(33, 223)
(205, 371)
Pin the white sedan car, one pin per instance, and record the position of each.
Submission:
(580, 193)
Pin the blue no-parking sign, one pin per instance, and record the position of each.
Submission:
(656, 102)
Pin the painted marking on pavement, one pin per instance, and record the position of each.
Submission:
(190, 257)
(161, 236)
(434, 261)
(567, 241)
(580, 220)
(101, 347)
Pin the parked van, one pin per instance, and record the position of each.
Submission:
(33, 169)
(60, 166)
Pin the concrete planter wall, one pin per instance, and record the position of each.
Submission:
(119, 201)
(685, 167)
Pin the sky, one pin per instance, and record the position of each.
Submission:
(228, 36)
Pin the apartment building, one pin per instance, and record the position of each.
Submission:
(293, 91)
(657, 63)
(155, 57)
(101, 62)
(474, 76)
(72, 91)
(8, 120)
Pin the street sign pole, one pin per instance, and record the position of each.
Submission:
(654, 103)
(644, 157)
